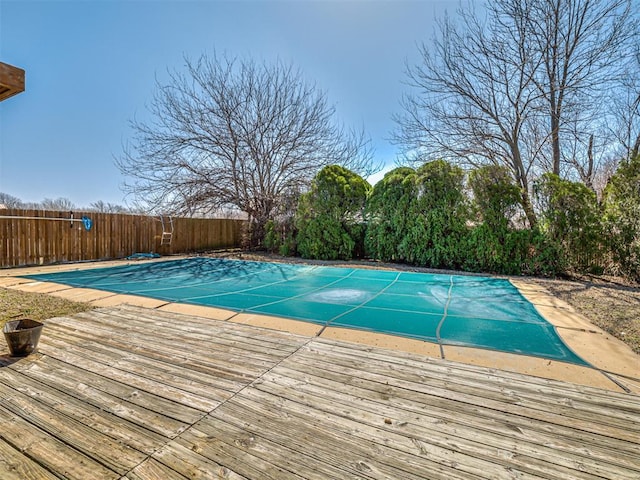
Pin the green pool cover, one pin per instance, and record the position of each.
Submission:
(447, 309)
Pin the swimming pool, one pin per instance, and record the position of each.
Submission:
(460, 310)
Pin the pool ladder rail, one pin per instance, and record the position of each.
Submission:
(167, 230)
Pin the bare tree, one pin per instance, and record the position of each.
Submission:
(581, 44)
(589, 152)
(107, 207)
(626, 107)
(523, 88)
(476, 99)
(59, 203)
(231, 132)
(9, 201)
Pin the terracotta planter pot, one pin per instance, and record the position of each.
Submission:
(22, 336)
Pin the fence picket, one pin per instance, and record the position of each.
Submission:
(34, 241)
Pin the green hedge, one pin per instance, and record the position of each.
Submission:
(329, 219)
(435, 216)
(621, 207)
(388, 215)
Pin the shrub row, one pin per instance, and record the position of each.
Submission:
(436, 216)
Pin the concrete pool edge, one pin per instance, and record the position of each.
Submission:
(590, 342)
(585, 339)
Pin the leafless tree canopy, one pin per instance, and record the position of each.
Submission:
(60, 203)
(582, 44)
(230, 132)
(476, 97)
(107, 207)
(524, 87)
(626, 107)
(9, 201)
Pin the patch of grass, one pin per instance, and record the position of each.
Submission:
(37, 306)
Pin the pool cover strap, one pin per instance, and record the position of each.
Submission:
(463, 310)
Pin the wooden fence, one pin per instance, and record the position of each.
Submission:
(35, 237)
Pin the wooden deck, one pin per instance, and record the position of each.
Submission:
(128, 393)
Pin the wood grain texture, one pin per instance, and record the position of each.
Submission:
(30, 237)
(11, 80)
(128, 393)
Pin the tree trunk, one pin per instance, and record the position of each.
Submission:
(258, 230)
(528, 209)
(521, 178)
(636, 147)
(555, 139)
(588, 180)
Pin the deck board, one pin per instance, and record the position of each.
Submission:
(122, 401)
(14, 465)
(127, 393)
(454, 415)
(483, 389)
(122, 430)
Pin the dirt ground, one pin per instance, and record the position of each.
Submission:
(610, 303)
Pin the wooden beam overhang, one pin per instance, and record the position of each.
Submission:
(11, 81)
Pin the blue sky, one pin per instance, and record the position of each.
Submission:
(91, 66)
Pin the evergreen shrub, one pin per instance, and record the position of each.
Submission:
(329, 219)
